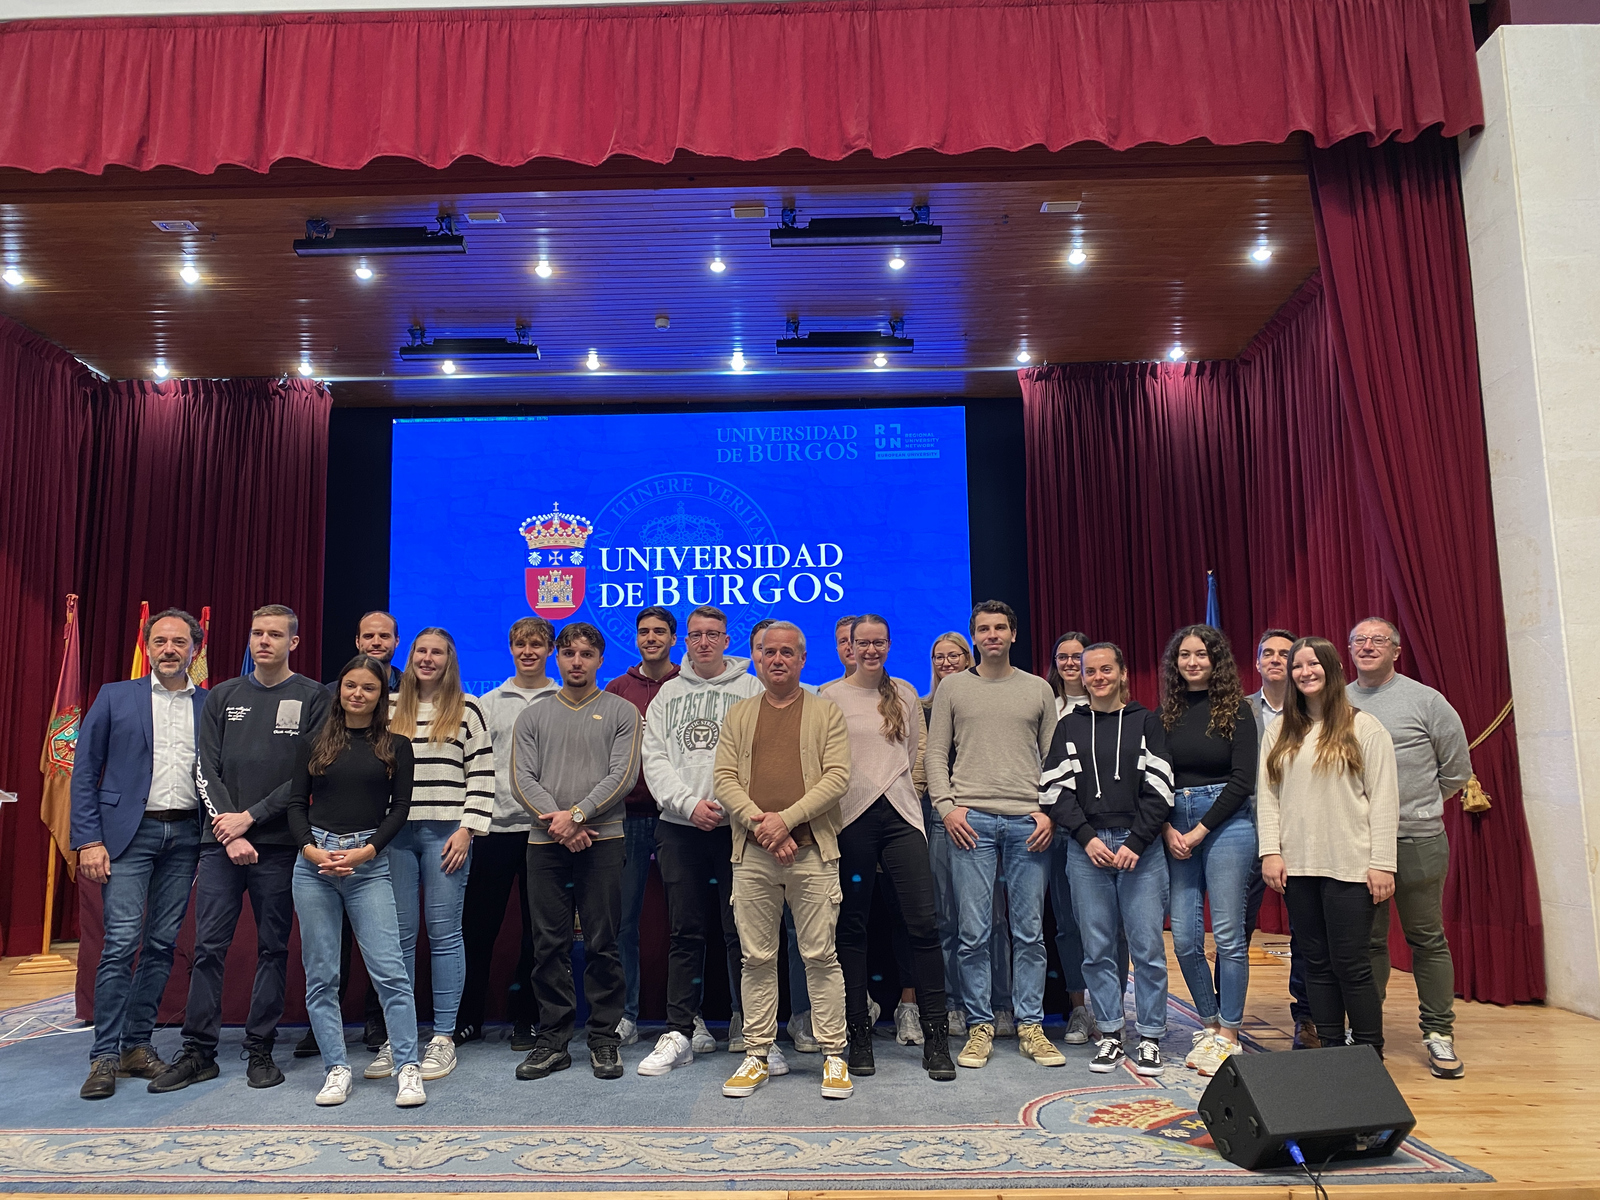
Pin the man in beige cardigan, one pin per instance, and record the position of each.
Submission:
(783, 764)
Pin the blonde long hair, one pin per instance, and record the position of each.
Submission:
(449, 706)
(1337, 748)
(959, 639)
(891, 706)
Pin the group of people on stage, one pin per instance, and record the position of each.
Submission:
(388, 801)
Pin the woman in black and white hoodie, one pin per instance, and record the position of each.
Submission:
(1108, 785)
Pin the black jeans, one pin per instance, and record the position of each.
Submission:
(882, 835)
(697, 874)
(499, 860)
(219, 888)
(1333, 934)
(590, 883)
(1299, 1003)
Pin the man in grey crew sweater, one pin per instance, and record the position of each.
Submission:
(1000, 721)
(574, 757)
(1430, 750)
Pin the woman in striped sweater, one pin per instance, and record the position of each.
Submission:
(452, 801)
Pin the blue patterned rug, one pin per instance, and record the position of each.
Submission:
(1010, 1125)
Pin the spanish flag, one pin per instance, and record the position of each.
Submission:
(60, 743)
(199, 670)
(141, 661)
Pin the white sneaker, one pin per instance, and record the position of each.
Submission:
(1221, 1048)
(702, 1042)
(907, 1024)
(672, 1050)
(382, 1065)
(958, 1022)
(410, 1093)
(337, 1089)
(1080, 1025)
(874, 1011)
(1207, 1056)
(777, 1064)
(800, 1033)
(1201, 1040)
(627, 1032)
(1005, 1023)
(736, 1033)
(439, 1059)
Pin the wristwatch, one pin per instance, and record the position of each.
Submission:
(576, 814)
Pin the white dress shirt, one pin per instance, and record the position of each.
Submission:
(172, 747)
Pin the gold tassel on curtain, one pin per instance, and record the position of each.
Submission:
(1473, 798)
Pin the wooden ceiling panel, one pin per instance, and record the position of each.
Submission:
(1168, 260)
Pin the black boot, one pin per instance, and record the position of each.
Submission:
(861, 1047)
(936, 1051)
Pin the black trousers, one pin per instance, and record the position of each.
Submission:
(882, 836)
(499, 860)
(590, 884)
(220, 885)
(1333, 934)
(697, 873)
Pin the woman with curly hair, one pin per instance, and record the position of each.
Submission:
(1211, 831)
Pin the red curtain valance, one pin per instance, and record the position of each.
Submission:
(737, 81)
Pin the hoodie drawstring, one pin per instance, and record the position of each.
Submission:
(1094, 751)
(1118, 760)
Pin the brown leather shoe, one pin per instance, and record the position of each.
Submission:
(1306, 1036)
(102, 1081)
(142, 1062)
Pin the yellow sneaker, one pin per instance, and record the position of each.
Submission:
(836, 1083)
(752, 1073)
(1033, 1044)
(980, 1044)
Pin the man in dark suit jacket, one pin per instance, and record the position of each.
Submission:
(136, 829)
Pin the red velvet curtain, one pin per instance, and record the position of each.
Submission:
(745, 81)
(44, 425)
(1392, 238)
(1338, 469)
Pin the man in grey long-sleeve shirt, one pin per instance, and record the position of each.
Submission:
(1430, 750)
(574, 758)
(1000, 721)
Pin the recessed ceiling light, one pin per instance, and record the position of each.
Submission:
(176, 226)
(1077, 258)
(737, 361)
(543, 270)
(363, 272)
(13, 277)
(897, 263)
(1176, 353)
(1060, 206)
(486, 218)
(161, 371)
(305, 367)
(663, 321)
(189, 275)
(881, 361)
(749, 212)
(1023, 356)
(718, 266)
(448, 367)
(593, 361)
(1261, 253)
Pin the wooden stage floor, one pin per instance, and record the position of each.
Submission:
(1527, 1112)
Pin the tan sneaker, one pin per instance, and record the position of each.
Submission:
(1202, 1039)
(752, 1073)
(1033, 1044)
(1221, 1049)
(980, 1044)
(836, 1083)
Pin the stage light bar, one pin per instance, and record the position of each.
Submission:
(456, 349)
(322, 240)
(857, 231)
(846, 341)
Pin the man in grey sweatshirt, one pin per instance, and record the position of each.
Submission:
(574, 757)
(1431, 755)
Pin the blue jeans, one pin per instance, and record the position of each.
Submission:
(1105, 900)
(420, 883)
(367, 897)
(948, 913)
(1001, 854)
(1220, 868)
(154, 873)
(638, 847)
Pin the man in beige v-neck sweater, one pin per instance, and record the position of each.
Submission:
(783, 765)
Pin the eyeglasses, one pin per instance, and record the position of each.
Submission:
(874, 644)
(1063, 658)
(703, 635)
(949, 658)
(1376, 640)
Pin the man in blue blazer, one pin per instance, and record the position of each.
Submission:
(136, 829)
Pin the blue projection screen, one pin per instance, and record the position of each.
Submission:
(802, 516)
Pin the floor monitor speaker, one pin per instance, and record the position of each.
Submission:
(1336, 1103)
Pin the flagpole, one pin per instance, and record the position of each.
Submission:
(44, 962)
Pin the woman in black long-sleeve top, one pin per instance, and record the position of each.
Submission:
(350, 796)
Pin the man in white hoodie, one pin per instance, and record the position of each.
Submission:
(694, 844)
